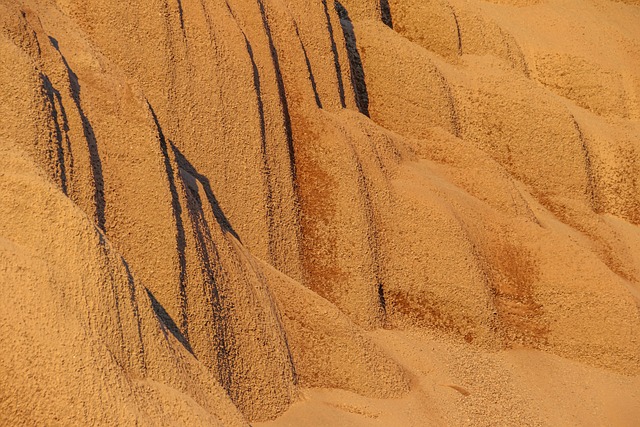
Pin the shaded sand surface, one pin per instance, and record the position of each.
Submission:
(294, 212)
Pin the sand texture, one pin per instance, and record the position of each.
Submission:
(307, 212)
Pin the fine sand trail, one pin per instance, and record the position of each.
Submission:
(319, 213)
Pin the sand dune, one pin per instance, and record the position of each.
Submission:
(283, 212)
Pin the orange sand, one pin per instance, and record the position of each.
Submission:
(394, 213)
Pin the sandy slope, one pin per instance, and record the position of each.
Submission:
(453, 384)
(402, 212)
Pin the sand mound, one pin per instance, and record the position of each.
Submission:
(354, 212)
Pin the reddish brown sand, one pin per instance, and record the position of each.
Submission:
(301, 212)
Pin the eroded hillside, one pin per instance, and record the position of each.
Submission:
(362, 212)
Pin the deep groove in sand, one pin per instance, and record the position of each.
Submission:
(92, 143)
(358, 81)
(334, 50)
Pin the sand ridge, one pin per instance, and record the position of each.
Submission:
(357, 212)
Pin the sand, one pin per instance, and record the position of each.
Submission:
(288, 212)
